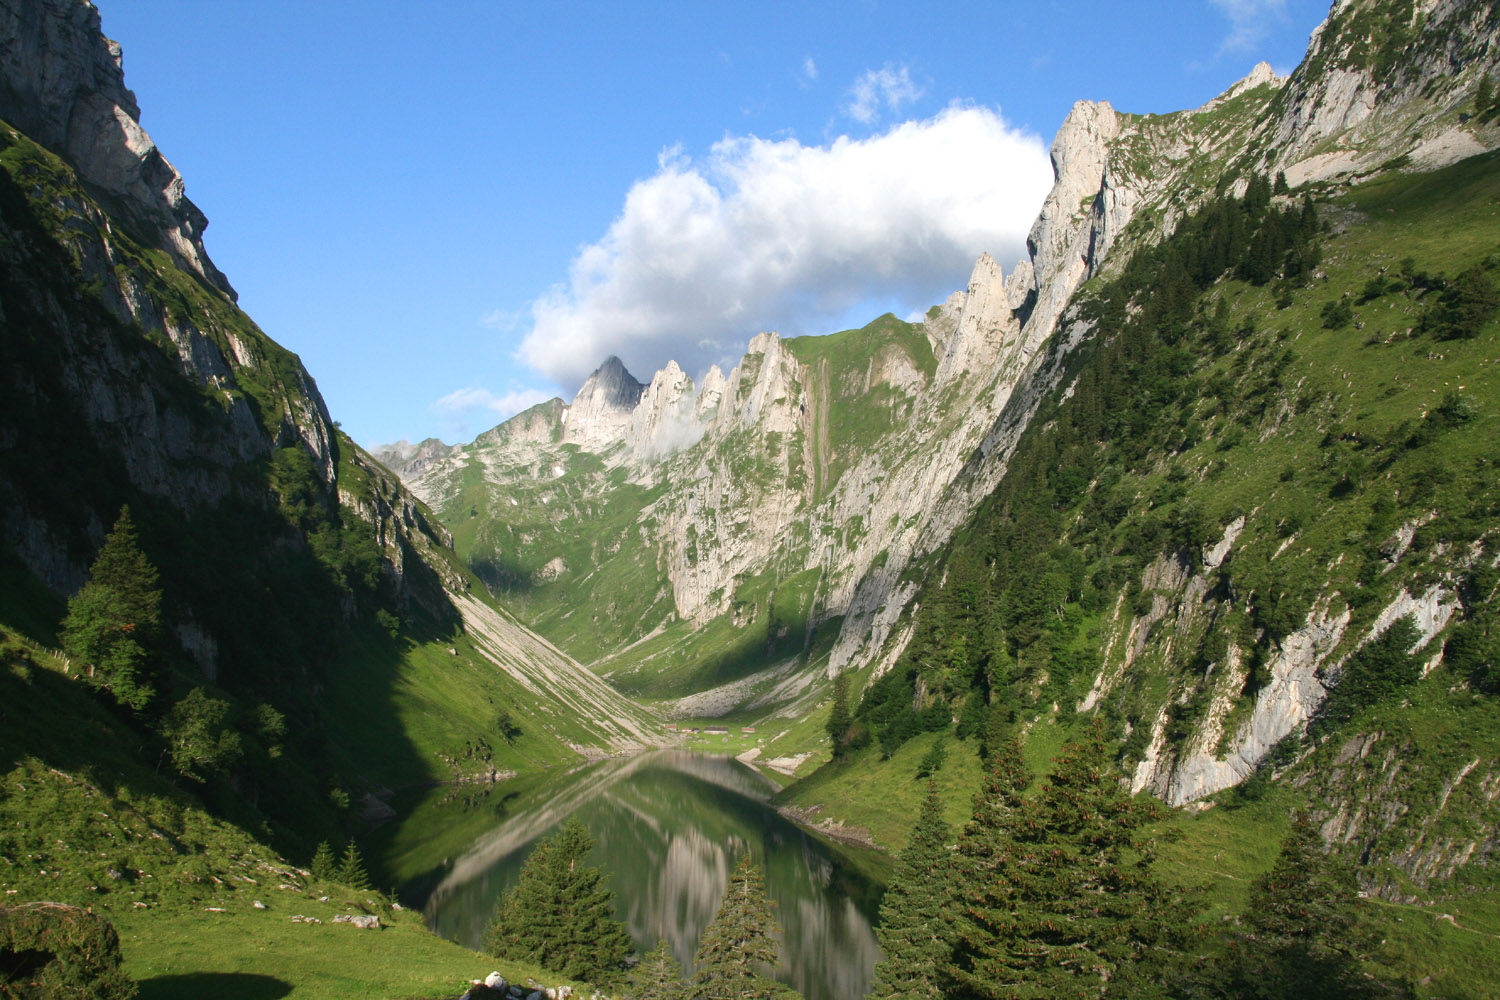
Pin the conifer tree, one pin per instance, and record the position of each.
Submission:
(991, 873)
(351, 871)
(839, 719)
(113, 624)
(559, 914)
(1300, 936)
(323, 865)
(658, 976)
(1057, 894)
(1484, 95)
(738, 942)
(913, 927)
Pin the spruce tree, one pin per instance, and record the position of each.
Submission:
(658, 976)
(559, 914)
(991, 873)
(1057, 894)
(738, 942)
(913, 924)
(323, 866)
(113, 625)
(839, 719)
(1299, 933)
(1484, 95)
(351, 871)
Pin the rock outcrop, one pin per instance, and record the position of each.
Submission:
(603, 408)
(62, 84)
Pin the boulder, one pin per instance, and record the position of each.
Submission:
(365, 922)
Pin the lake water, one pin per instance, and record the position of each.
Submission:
(667, 827)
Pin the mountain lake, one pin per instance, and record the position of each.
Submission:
(667, 828)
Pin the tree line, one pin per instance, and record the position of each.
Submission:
(1054, 892)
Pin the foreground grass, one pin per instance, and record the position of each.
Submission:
(261, 953)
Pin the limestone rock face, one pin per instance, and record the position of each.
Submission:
(665, 420)
(984, 325)
(61, 83)
(408, 460)
(602, 410)
(1059, 242)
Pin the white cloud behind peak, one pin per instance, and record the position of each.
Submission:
(772, 234)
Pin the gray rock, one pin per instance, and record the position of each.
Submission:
(61, 83)
(365, 922)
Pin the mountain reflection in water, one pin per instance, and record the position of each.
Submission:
(667, 827)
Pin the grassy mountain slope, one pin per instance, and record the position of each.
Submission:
(1232, 495)
(306, 597)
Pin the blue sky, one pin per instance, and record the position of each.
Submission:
(453, 209)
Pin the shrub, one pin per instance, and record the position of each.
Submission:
(49, 950)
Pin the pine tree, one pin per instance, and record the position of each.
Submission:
(932, 762)
(351, 871)
(839, 719)
(1299, 933)
(113, 624)
(323, 866)
(740, 940)
(658, 976)
(559, 914)
(913, 926)
(1057, 894)
(1484, 95)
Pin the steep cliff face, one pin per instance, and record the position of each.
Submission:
(128, 376)
(62, 84)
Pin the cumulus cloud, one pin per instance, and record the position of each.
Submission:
(462, 408)
(1249, 22)
(764, 234)
(888, 88)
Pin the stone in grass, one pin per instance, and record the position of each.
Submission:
(364, 922)
(492, 988)
(62, 951)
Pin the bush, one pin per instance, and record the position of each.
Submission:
(49, 950)
(1337, 314)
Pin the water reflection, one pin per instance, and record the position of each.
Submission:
(668, 826)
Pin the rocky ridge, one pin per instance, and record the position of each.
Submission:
(62, 83)
(751, 482)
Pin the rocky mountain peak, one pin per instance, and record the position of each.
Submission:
(600, 413)
(62, 83)
(983, 324)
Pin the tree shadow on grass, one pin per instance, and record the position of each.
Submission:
(195, 985)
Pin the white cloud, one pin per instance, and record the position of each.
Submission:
(765, 234)
(1249, 22)
(460, 407)
(809, 69)
(502, 319)
(889, 87)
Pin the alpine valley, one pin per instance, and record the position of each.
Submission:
(1209, 483)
